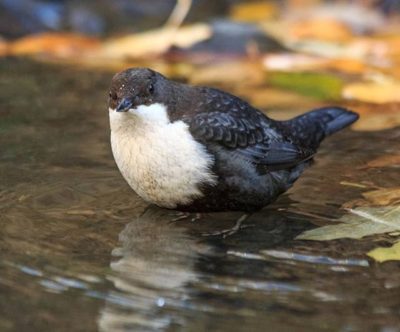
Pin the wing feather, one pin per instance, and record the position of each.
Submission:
(230, 122)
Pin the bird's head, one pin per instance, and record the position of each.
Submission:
(134, 87)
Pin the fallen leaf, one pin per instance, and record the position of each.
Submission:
(320, 28)
(385, 196)
(3, 47)
(355, 15)
(379, 197)
(59, 44)
(253, 11)
(358, 223)
(391, 160)
(242, 71)
(293, 61)
(351, 66)
(380, 45)
(373, 92)
(386, 254)
(318, 85)
(154, 42)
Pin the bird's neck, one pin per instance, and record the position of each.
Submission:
(140, 119)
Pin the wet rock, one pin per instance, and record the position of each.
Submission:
(19, 17)
(236, 39)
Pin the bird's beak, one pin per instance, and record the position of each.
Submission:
(124, 105)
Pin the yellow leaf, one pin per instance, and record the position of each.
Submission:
(373, 92)
(386, 254)
(254, 11)
(154, 42)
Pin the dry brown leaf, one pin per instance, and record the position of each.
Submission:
(379, 197)
(59, 44)
(253, 11)
(320, 28)
(154, 42)
(373, 92)
(3, 47)
(383, 197)
(244, 72)
(384, 161)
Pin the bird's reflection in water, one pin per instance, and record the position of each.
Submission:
(163, 273)
(153, 265)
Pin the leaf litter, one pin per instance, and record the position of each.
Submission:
(377, 213)
(358, 223)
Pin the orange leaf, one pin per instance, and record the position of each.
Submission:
(373, 92)
(384, 196)
(320, 28)
(3, 47)
(60, 44)
(385, 160)
(253, 11)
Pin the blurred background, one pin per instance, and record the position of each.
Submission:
(337, 49)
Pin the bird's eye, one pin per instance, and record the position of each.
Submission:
(151, 88)
(113, 95)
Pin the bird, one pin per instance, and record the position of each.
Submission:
(200, 149)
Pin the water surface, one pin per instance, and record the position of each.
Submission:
(80, 251)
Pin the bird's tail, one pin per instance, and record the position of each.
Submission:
(312, 127)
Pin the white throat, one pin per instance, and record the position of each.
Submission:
(160, 160)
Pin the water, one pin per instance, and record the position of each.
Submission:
(80, 251)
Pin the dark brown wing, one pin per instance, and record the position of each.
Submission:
(231, 123)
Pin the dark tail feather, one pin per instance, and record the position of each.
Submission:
(314, 126)
(335, 118)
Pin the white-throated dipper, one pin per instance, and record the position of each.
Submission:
(199, 149)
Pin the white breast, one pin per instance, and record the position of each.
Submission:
(160, 160)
